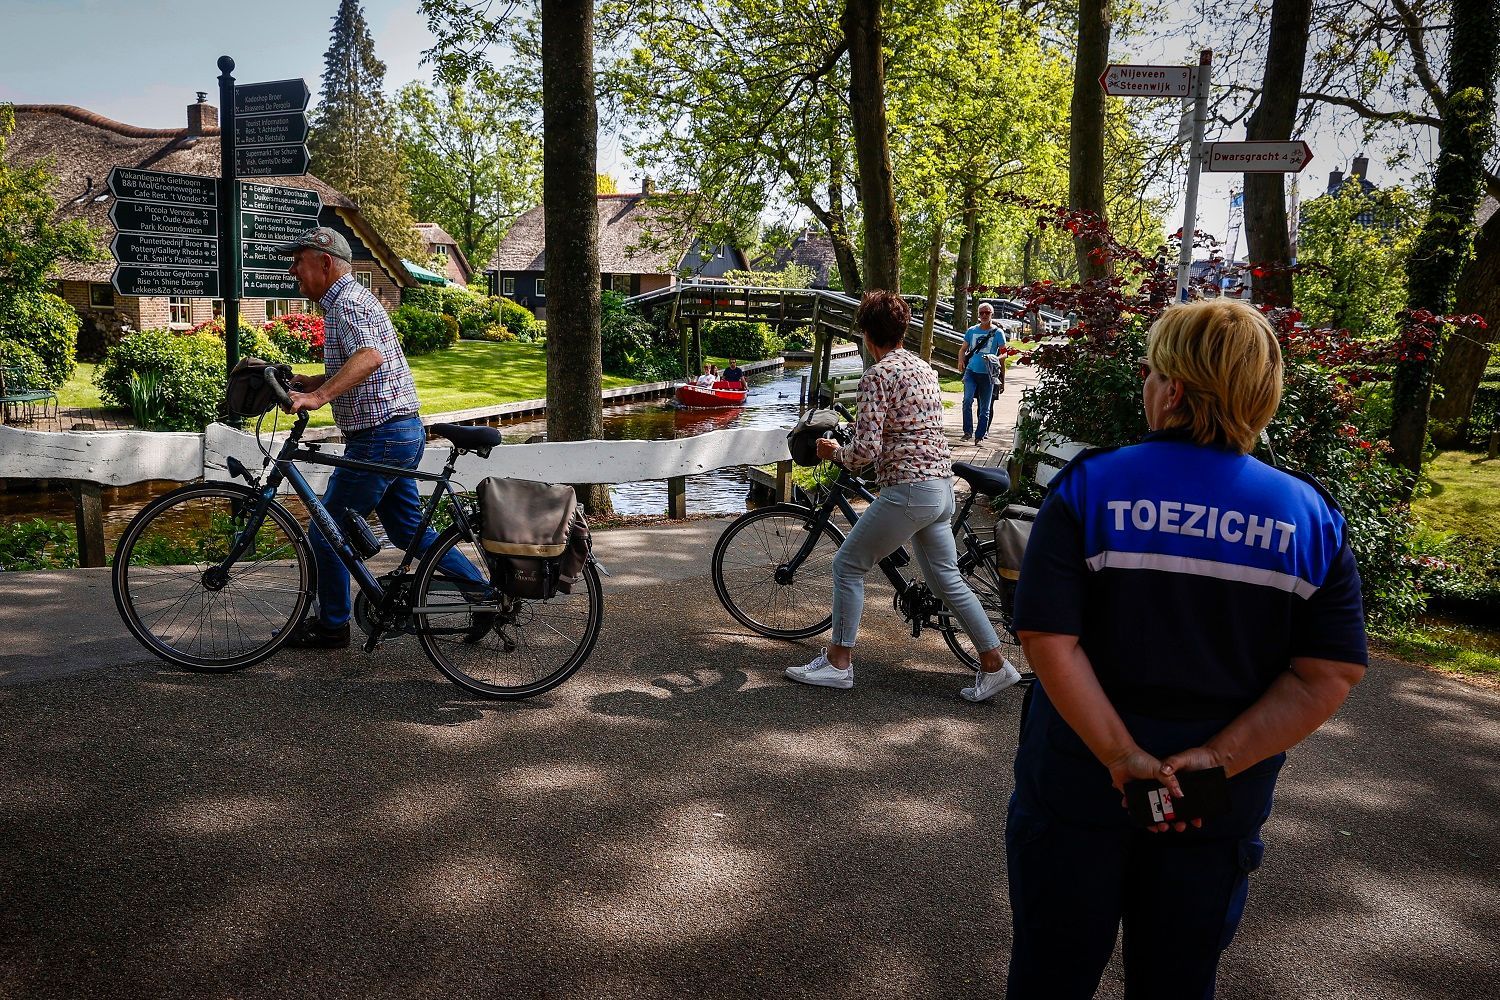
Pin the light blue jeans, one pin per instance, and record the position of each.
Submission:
(921, 513)
(979, 388)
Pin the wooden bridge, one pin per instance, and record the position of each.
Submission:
(829, 314)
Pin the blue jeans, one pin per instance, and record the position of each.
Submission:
(399, 442)
(978, 388)
(920, 512)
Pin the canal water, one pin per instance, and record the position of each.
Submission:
(770, 402)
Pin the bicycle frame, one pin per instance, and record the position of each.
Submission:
(284, 469)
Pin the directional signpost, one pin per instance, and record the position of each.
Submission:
(268, 216)
(1147, 81)
(1258, 157)
(271, 161)
(165, 226)
(270, 127)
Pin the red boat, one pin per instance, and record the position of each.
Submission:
(722, 394)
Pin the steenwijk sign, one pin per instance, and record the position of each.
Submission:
(271, 161)
(1257, 157)
(164, 251)
(163, 188)
(1124, 80)
(269, 285)
(174, 220)
(201, 283)
(267, 198)
(275, 97)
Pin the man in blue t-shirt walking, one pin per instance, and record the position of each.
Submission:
(985, 337)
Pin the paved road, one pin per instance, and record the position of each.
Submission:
(675, 821)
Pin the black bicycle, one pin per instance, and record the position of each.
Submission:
(773, 567)
(216, 575)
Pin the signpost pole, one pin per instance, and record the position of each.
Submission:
(1195, 168)
(229, 216)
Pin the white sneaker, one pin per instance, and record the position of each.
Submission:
(822, 673)
(987, 685)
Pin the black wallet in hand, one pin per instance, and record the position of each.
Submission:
(1205, 795)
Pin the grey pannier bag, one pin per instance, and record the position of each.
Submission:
(534, 536)
(1011, 535)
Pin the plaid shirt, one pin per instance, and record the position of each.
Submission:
(353, 319)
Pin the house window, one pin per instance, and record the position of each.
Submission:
(218, 308)
(441, 250)
(363, 277)
(179, 311)
(101, 295)
(622, 284)
(281, 307)
(508, 287)
(541, 288)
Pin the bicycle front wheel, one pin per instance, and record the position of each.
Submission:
(180, 600)
(997, 596)
(497, 646)
(753, 576)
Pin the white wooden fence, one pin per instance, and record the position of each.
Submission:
(95, 459)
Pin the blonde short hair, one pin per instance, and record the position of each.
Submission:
(1225, 354)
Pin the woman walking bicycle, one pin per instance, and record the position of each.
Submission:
(899, 427)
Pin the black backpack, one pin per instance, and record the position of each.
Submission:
(248, 394)
(802, 439)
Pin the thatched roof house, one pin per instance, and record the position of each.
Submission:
(440, 244)
(643, 246)
(811, 249)
(80, 148)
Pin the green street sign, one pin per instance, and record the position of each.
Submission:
(273, 228)
(262, 257)
(168, 189)
(270, 130)
(130, 279)
(164, 251)
(269, 98)
(173, 220)
(301, 202)
(269, 285)
(271, 161)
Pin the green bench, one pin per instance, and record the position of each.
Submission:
(15, 391)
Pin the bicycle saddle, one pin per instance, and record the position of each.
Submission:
(982, 479)
(468, 438)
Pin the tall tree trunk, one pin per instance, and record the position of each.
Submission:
(1265, 194)
(934, 266)
(865, 38)
(1464, 358)
(1086, 137)
(570, 137)
(963, 275)
(1432, 269)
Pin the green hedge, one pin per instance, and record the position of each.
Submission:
(189, 369)
(741, 339)
(630, 345)
(46, 327)
(422, 331)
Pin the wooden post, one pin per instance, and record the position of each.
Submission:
(677, 498)
(1494, 444)
(815, 376)
(697, 347)
(88, 519)
(784, 481)
(827, 355)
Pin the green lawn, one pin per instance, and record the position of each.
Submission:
(1464, 496)
(79, 391)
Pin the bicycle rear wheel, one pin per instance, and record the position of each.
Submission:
(177, 599)
(753, 582)
(997, 596)
(497, 646)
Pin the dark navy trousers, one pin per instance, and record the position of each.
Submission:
(1079, 871)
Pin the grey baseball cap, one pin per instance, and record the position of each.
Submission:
(322, 239)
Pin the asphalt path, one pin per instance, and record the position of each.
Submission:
(676, 820)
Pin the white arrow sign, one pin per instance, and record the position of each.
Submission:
(1121, 80)
(1257, 157)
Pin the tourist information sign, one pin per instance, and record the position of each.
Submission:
(270, 215)
(156, 186)
(271, 130)
(275, 97)
(165, 251)
(202, 283)
(1124, 80)
(1257, 157)
(173, 220)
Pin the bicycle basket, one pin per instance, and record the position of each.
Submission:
(802, 439)
(248, 395)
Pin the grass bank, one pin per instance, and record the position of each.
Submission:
(1462, 496)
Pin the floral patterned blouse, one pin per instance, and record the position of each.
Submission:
(899, 425)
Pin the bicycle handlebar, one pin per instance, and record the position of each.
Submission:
(277, 389)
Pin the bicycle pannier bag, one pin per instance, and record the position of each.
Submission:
(802, 440)
(529, 536)
(1011, 535)
(248, 395)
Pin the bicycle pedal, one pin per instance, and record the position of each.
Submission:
(371, 642)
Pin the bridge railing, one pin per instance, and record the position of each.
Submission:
(90, 461)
